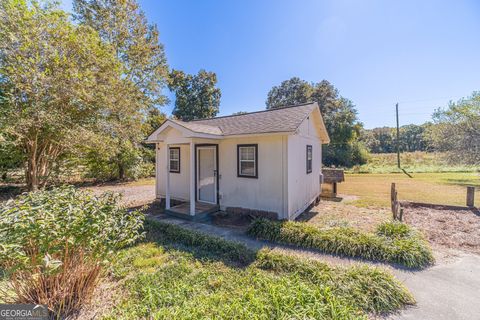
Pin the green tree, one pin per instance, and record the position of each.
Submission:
(11, 156)
(456, 130)
(124, 26)
(412, 138)
(289, 92)
(57, 80)
(196, 96)
(339, 114)
(153, 121)
(379, 140)
(239, 113)
(384, 140)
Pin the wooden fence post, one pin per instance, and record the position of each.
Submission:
(394, 203)
(470, 196)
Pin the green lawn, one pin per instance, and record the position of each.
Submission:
(440, 188)
(178, 274)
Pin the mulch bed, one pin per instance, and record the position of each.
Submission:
(225, 219)
(448, 227)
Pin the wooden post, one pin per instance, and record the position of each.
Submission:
(393, 196)
(470, 196)
(396, 210)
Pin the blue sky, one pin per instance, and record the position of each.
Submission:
(419, 53)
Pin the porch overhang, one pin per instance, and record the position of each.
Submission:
(192, 131)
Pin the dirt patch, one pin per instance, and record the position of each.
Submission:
(335, 214)
(452, 229)
(237, 221)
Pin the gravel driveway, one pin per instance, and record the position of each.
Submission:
(132, 195)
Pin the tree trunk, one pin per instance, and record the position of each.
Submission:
(40, 159)
(121, 171)
(31, 171)
(31, 174)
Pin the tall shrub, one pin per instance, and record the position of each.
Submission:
(53, 243)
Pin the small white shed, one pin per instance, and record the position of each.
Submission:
(267, 161)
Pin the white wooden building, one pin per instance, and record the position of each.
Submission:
(266, 161)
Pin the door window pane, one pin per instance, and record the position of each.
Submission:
(174, 156)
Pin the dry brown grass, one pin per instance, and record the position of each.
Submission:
(105, 297)
(373, 190)
(64, 290)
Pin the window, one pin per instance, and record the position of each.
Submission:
(309, 158)
(174, 159)
(247, 155)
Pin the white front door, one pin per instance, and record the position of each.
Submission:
(206, 174)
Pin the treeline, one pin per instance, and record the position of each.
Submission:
(384, 140)
(454, 130)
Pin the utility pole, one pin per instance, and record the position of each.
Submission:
(398, 138)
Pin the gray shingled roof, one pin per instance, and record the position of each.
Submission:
(198, 127)
(286, 119)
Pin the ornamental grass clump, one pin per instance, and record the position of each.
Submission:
(393, 242)
(179, 274)
(166, 234)
(53, 245)
(372, 289)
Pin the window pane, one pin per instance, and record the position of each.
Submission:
(247, 153)
(174, 165)
(247, 168)
(309, 159)
(174, 154)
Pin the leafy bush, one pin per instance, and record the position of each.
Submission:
(370, 288)
(392, 243)
(109, 161)
(396, 230)
(53, 243)
(165, 233)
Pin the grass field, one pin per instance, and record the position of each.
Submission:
(414, 162)
(373, 190)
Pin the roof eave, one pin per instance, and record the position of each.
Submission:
(259, 134)
(191, 133)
